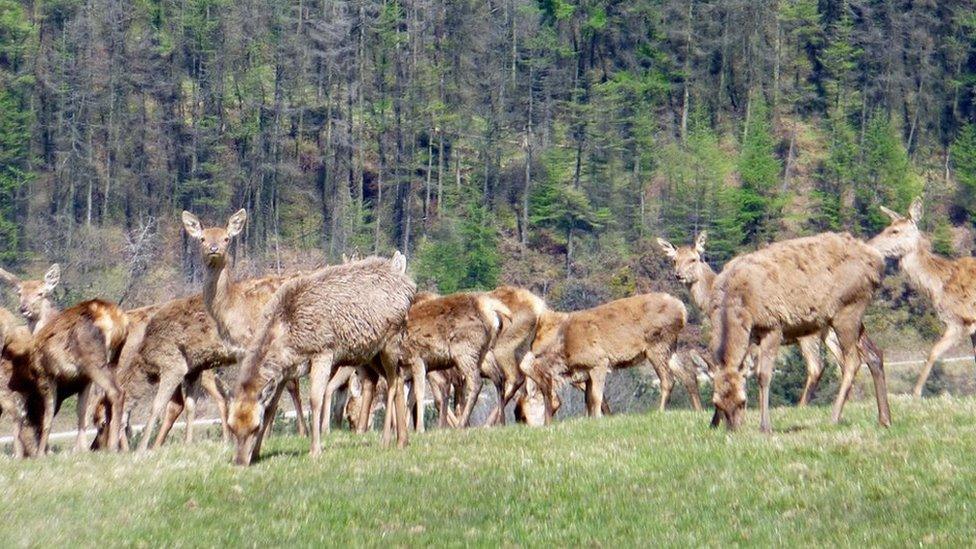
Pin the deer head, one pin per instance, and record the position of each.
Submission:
(214, 241)
(246, 418)
(34, 294)
(902, 235)
(729, 398)
(688, 262)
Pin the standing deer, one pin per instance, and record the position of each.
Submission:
(584, 346)
(77, 348)
(949, 283)
(235, 306)
(36, 305)
(18, 388)
(792, 289)
(344, 314)
(697, 275)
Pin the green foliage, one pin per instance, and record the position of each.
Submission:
(889, 178)
(759, 169)
(963, 155)
(462, 253)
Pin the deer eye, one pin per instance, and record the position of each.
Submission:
(226, 239)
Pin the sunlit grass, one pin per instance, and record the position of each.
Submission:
(627, 479)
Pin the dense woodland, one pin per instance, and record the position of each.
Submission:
(538, 142)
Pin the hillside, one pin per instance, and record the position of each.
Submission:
(631, 479)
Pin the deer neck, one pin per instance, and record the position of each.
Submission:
(48, 312)
(220, 296)
(925, 270)
(701, 289)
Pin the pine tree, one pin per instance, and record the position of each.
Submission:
(963, 158)
(759, 169)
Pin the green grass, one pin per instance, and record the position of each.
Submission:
(657, 478)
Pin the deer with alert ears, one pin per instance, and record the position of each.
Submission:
(949, 283)
(235, 306)
(697, 275)
(36, 305)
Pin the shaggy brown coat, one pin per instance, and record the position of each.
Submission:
(788, 290)
(586, 345)
(80, 347)
(19, 399)
(344, 314)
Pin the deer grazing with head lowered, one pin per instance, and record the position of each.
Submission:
(788, 290)
(235, 306)
(584, 346)
(338, 315)
(78, 348)
(697, 275)
(949, 283)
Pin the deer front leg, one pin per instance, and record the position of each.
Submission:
(210, 384)
(294, 391)
(367, 396)
(663, 372)
(319, 376)
(164, 392)
(341, 377)
(768, 347)
(104, 377)
(175, 407)
(418, 370)
(874, 358)
(82, 411)
(472, 388)
(594, 390)
(948, 339)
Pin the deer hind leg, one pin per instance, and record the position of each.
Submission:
(104, 377)
(660, 365)
(847, 325)
(340, 378)
(168, 384)
(319, 375)
(688, 378)
(175, 407)
(418, 371)
(212, 385)
(952, 334)
(768, 347)
(190, 387)
(472, 388)
(83, 399)
(269, 414)
(369, 379)
(294, 390)
(874, 358)
(810, 349)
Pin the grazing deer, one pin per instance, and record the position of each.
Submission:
(77, 348)
(792, 289)
(36, 305)
(339, 315)
(949, 283)
(235, 306)
(698, 276)
(584, 346)
(454, 331)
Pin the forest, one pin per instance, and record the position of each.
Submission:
(544, 143)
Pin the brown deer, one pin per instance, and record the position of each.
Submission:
(697, 275)
(235, 306)
(339, 315)
(77, 348)
(792, 289)
(513, 342)
(36, 304)
(454, 331)
(18, 389)
(949, 283)
(584, 346)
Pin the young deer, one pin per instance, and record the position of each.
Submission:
(949, 283)
(36, 305)
(792, 289)
(235, 306)
(697, 275)
(77, 348)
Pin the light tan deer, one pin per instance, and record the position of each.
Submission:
(36, 304)
(949, 283)
(77, 348)
(339, 315)
(697, 275)
(584, 346)
(18, 388)
(235, 306)
(792, 289)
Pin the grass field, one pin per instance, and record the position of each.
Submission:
(657, 478)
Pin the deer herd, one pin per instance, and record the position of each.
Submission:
(363, 325)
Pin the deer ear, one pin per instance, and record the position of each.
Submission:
(9, 278)
(268, 392)
(895, 216)
(667, 248)
(236, 223)
(700, 242)
(192, 225)
(52, 277)
(915, 210)
(399, 262)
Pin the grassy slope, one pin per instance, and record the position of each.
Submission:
(660, 477)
